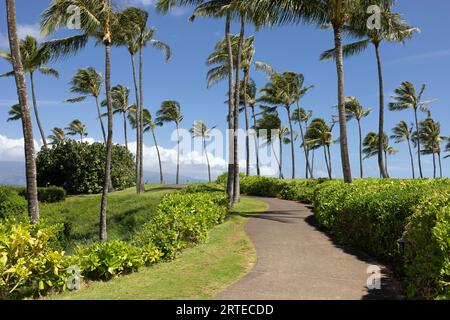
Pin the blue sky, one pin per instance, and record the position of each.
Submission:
(425, 59)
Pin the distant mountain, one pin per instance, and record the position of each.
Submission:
(13, 173)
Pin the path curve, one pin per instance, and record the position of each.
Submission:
(296, 261)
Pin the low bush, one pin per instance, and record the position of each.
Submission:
(203, 187)
(223, 178)
(51, 194)
(11, 203)
(182, 219)
(427, 248)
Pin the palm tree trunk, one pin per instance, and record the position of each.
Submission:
(161, 177)
(312, 163)
(383, 170)
(281, 159)
(386, 162)
(138, 153)
(125, 129)
(326, 160)
(81, 137)
(346, 169)
(360, 150)
(141, 122)
(418, 142)
(308, 168)
(30, 164)
(107, 43)
(412, 159)
(247, 136)
(292, 141)
(258, 171)
(329, 160)
(99, 114)
(237, 90)
(440, 164)
(434, 165)
(178, 155)
(36, 113)
(230, 178)
(207, 159)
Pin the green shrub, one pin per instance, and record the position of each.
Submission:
(203, 187)
(262, 186)
(51, 194)
(182, 219)
(79, 167)
(223, 178)
(29, 265)
(11, 203)
(427, 248)
(300, 190)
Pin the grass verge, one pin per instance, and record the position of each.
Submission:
(198, 273)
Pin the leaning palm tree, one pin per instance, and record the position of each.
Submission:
(282, 91)
(15, 113)
(354, 110)
(34, 57)
(86, 83)
(19, 74)
(200, 130)
(251, 99)
(58, 135)
(370, 147)
(97, 21)
(120, 96)
(319, 134)
(76, 127)
(406, 98)
(430, 135)
(393, 29)
(403, 132)
(170, 111)
(133, 33)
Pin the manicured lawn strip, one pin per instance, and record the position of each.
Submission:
(198, 273)
(126, 213)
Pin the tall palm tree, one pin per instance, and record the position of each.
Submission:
(120, 96)
(97, 21)
(430, 135)
(447, 147)
(251, 99)
(134, 34)
(34, 57)
(19, 74)
(403, 132)
(282, 90)
(370, 145)
(393, 29)
(200, 130)
(170, 111)
(76, 127)
(319, 134)
(15, 113)
(86, 83)
(406, 98)
(354, 110)
(58, 135)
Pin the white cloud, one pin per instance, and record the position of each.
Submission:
(12, 149)
(23, 30)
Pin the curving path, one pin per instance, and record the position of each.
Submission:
(296, 261)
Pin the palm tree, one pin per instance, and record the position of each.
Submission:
(319, 134)
(134, 34)
(200, 130)
(120, 96)
(354, 110)
(97, 21)
(86, 83)
(34, 57)
(58, 136)
(430, 135)
(402, 132)
(393, 29)
(447, 147)
(170, 111)
(15, 113)
(76, 127)
(370, 145)
(19, 74)
(406, 98)
(282, 90)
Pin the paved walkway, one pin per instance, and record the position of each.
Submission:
(296, 261)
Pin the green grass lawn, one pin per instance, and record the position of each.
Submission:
(198, 273)
(126, 212)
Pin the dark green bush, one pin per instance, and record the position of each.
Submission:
(203, 187)
(79, 167)
(427, 248)
(181, 220)
(51, 194)
(11, 203)
(262, 186)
